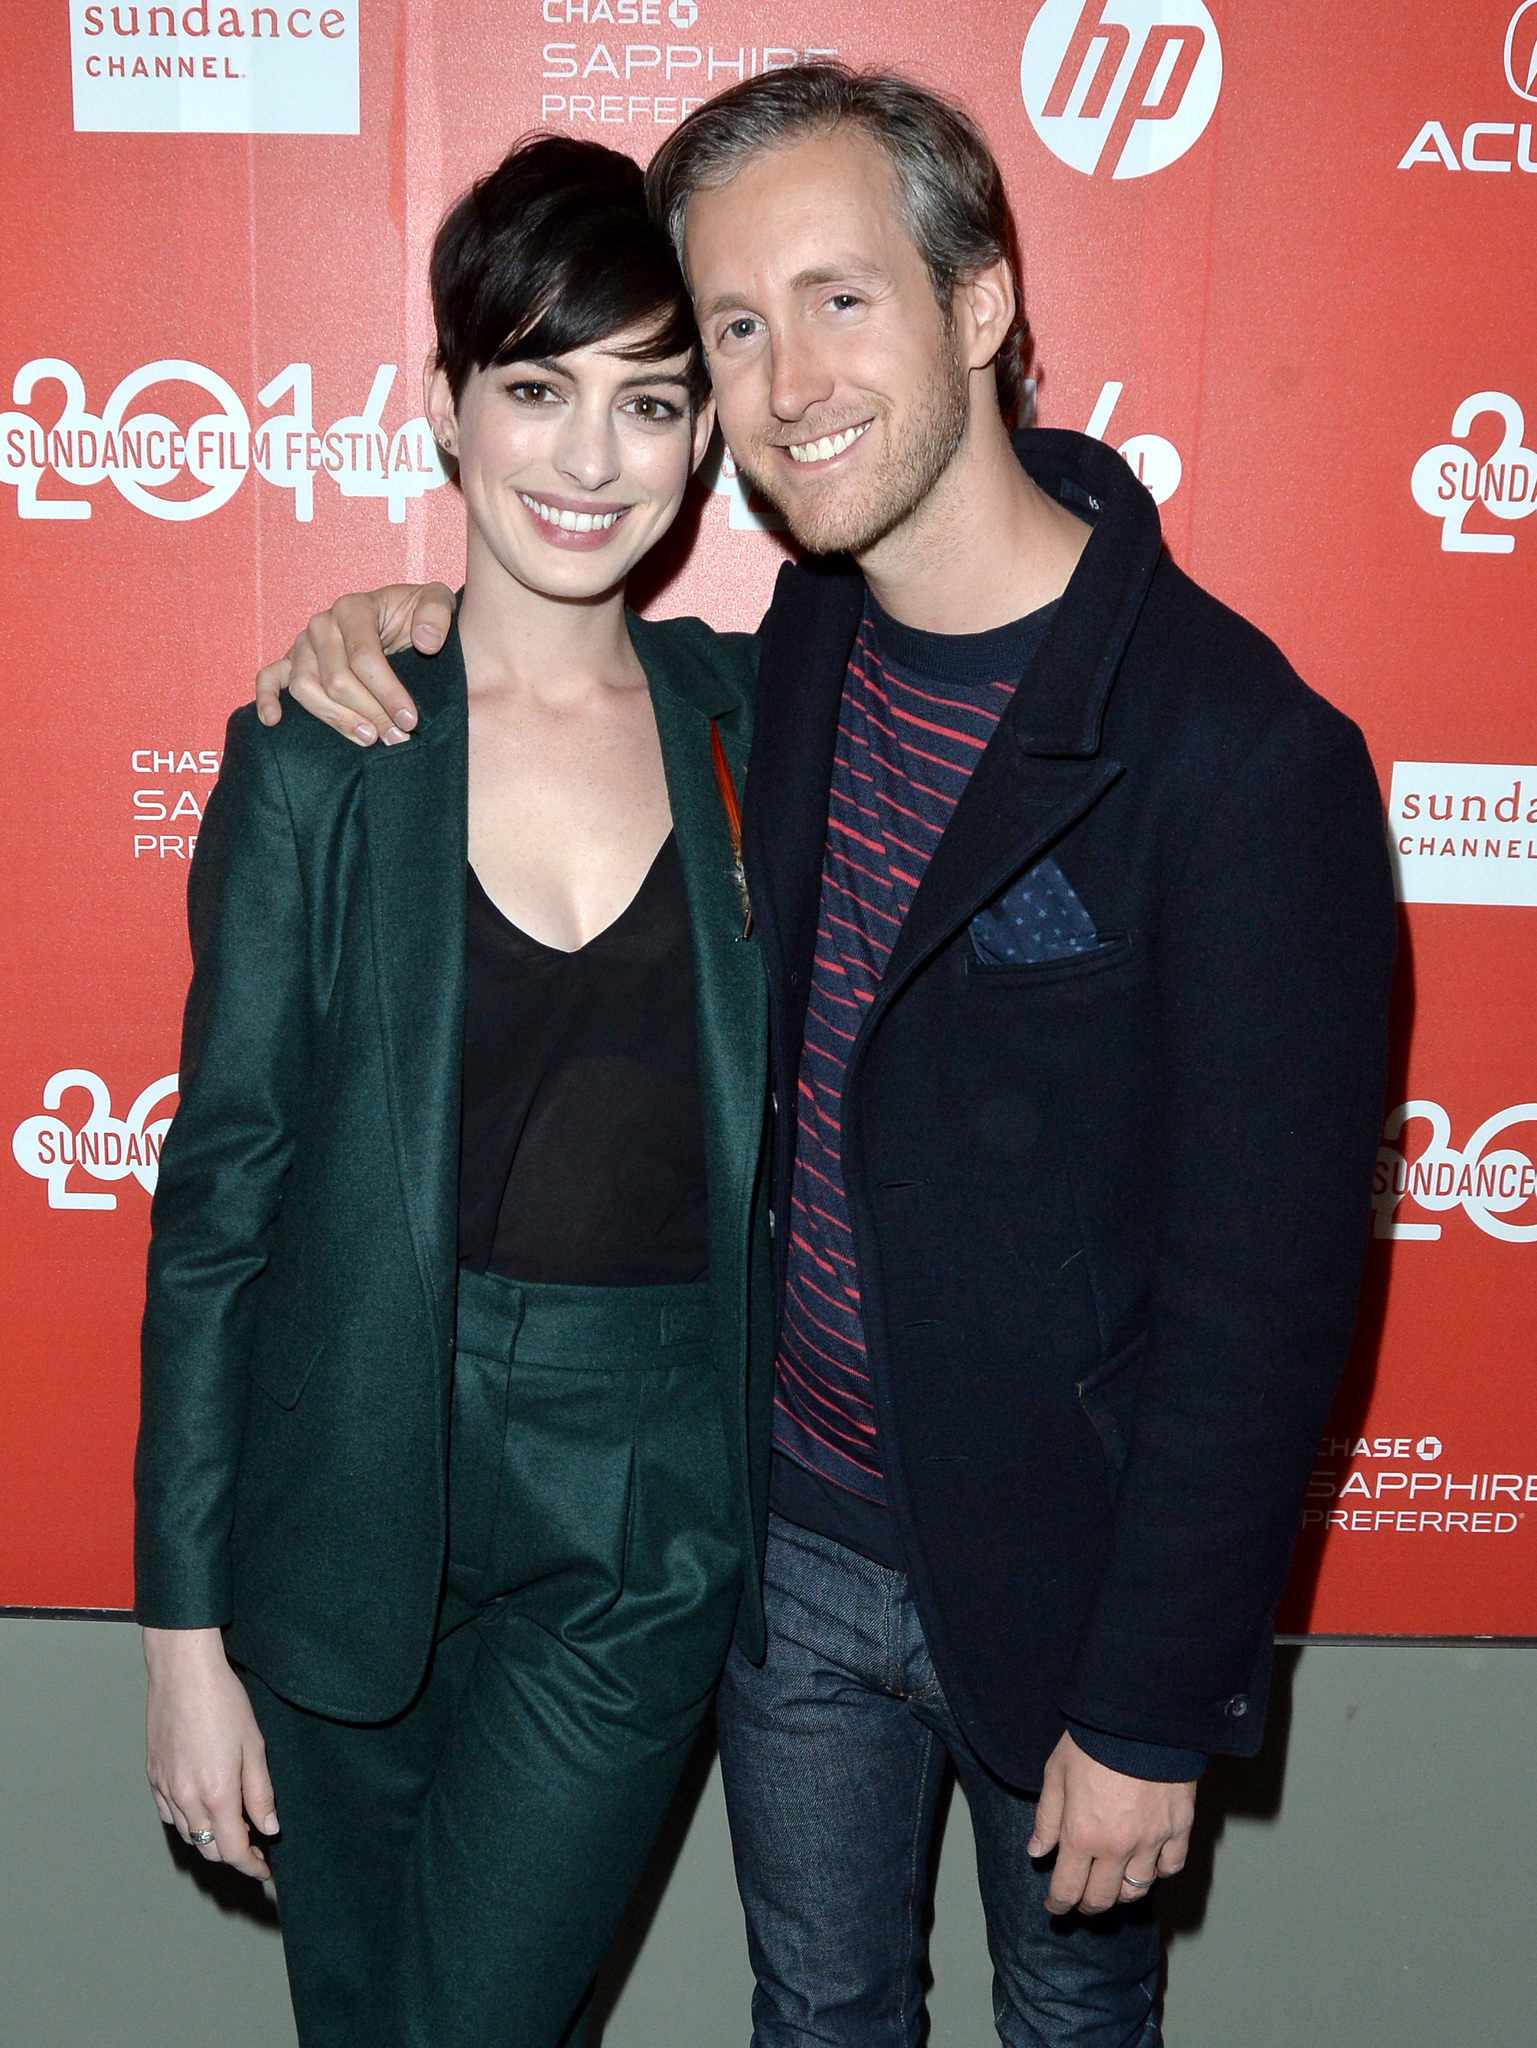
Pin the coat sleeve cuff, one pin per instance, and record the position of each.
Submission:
(1155, 1762)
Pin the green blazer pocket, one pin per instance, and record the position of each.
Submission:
(282, 1358)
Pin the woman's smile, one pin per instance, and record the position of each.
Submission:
(573, 522)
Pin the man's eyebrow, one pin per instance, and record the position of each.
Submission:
(803, 281)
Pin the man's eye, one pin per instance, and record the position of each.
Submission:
(741, 330)
(841, 301)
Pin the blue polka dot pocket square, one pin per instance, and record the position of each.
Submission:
(1037, 918)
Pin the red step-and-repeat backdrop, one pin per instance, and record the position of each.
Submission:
(1278, 256)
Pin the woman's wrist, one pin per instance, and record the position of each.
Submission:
(177, 1648)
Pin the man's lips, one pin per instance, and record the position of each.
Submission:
(826, 447)
(574, 521)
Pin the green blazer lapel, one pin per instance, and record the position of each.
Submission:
(416, 818)
(733, 1006)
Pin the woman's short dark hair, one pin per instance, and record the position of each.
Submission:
(948, 181)
(553, 251)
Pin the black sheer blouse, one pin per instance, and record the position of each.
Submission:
(582, 1135)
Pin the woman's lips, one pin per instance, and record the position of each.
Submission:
(569, 525)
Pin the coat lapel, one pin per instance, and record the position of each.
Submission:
(807, 637)
(728, 969)
(1011, 810)
(732, 1002)
(416, 813)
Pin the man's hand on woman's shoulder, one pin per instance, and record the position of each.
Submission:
(338, 669)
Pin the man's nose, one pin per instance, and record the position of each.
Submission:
(588, 447)
(799, 378)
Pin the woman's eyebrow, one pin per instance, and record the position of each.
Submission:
(650, 379)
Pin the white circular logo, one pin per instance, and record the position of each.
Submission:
(1428, 1448)
(1521, 51)
(1121, 86)
(683, 13)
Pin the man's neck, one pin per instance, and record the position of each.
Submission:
(984, 547)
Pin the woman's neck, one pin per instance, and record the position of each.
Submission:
(517, 638)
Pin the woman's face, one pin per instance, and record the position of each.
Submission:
(571, 466)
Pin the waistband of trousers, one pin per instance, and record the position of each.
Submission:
(619, 1327)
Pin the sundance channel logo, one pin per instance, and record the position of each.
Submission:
(1121, 88)
(210, 70)
(58, 1149)
(1464, 832)
(186, 464)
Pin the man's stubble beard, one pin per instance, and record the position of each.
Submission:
(913, 463)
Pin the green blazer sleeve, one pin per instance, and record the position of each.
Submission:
(245, 1061)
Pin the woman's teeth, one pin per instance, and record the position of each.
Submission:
(573, 522)
(828, 446)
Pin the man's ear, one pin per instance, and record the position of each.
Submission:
(704, 427)
(438, 404)
(985, 304)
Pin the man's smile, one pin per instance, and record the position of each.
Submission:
(829, 446)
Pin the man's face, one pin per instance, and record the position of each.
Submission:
(838, 379)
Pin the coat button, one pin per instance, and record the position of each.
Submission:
(1236, 1707)
(795, 977)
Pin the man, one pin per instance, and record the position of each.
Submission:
(1076, 915)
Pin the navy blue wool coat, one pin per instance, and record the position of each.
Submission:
(1109, 1211)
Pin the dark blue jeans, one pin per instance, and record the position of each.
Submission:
(833, 1754)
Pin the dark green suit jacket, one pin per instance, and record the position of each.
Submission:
(298, 1338)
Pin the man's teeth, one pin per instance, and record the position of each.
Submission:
(573, 522)
(829, 445)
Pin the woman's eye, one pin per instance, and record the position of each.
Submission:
(647, 407)
(531, 394)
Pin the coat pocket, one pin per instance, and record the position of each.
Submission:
(283, 1357)
(1113, 949)
(1108, 1393)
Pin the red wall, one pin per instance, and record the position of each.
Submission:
(1289, 304)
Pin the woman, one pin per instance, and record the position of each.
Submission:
(458, 1293)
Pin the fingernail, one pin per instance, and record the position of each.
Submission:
(406, 718)
(1032, 1847)
(267, 713)
(432, 636)
(394, 737)
(270, 1824)
(364, 733)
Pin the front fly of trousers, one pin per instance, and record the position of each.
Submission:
(451, 1878)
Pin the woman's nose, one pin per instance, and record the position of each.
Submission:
(588, 451)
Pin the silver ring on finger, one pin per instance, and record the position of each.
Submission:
(203, 1836)
(1139, 1883)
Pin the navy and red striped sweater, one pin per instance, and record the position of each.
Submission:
(918, 709)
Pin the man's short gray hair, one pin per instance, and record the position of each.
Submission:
(950, 185)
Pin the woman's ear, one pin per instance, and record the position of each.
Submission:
(438, 404)
(704, 427)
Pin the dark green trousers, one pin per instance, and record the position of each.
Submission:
(451, 1878)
